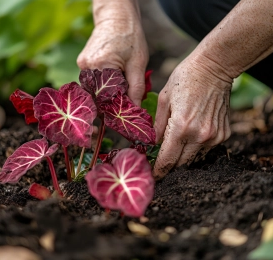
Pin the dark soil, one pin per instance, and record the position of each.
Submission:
(230, 189)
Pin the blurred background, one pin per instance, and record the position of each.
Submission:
(41, 39)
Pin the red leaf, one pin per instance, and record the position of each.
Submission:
(127, 185)
(39, 192)
(23, 103)
(131, 121)
(110, 156)
(66, 116)
(103, 85)
(24, 158)
(148, 83)
(140, 148)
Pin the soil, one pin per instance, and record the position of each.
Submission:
(231, 188)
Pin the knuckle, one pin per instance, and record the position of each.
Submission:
(206, 134)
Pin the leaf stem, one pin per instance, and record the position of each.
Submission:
(67, 164)
(98, 144)
(54, 176)
(80, 162)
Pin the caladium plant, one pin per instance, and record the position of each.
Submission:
(65, 116)
(125, 185)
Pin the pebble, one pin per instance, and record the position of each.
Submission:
(232, 237)
(138, 229)
(17, 253)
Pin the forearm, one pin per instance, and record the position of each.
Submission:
(242, 39)
(120, 10)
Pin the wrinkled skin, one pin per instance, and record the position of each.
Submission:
(193, 107)
(192, 117)
(118, 43)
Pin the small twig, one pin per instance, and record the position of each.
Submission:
(80, 162)
(98, 144)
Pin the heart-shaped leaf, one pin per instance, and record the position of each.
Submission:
(131, 121)
(24, 158)
(103, 85)
(23, 103)
(66, 116)
(126, 185)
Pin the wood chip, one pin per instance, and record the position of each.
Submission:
(232, 237)
(268, 230)
(18, 253)
(138, 229)
(47, 241)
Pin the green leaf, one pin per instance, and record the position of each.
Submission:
(152, 151)
(50, 22)
(9, 7)
(245, 91)
(87, 157)
(150, 103)
(263, 252)
(106, 145)
(80, 176)
(61, 63)
(11, 39)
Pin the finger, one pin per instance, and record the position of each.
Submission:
(136, 79)
(161, 117)
(202, 153)
(189, 153)
(170, 151)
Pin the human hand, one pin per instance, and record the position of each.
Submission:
(119, 44)
(192, 114)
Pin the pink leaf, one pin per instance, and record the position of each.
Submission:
(39, 192)
(24, 158)
(148, 83)
(23, 103)
(131, 121)
(66, 116)
(126, 185)
(103, 85)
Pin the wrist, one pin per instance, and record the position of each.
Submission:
(209, 71)
(118, 11)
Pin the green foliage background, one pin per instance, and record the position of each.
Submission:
(40, 41)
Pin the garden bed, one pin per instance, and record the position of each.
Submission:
(231, 188)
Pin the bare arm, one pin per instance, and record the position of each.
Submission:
(193, 109)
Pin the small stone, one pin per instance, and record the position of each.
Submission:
(203, 231)
(138, 229)
(47, 241)
(143, 219)
(18, 253)
(164, 237)
(232, 237)
(170, 230)
(268, 230)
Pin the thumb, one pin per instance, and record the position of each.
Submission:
(136, 79)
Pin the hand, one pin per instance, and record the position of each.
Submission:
(119, 44)
(192, 114)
